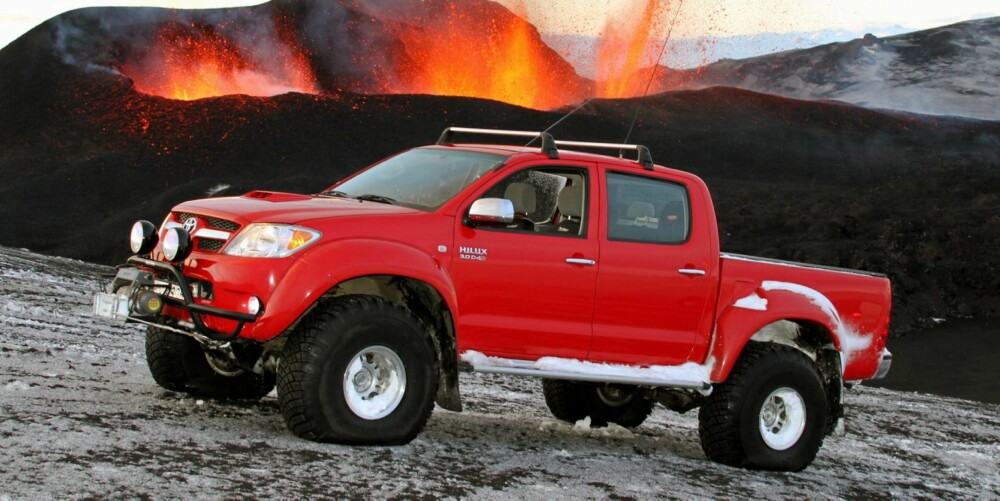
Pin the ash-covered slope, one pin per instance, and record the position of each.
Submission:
(951, 70)
(80, 416)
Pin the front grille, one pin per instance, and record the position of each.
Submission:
(210, 244)
(213, 222)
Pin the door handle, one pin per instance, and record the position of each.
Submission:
(692, 272)
(584, 262)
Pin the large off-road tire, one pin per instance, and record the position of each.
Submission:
(769, 415)
(358, 370)
(572, 401)
(179, 363)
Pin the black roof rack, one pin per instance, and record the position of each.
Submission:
(549, 144)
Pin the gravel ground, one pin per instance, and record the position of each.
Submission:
(81, 417)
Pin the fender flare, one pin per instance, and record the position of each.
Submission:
(310, 277)
(777, 301)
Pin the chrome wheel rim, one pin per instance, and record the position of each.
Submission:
(374, 382)
(782, 418)
(613, 396)
(222, 365)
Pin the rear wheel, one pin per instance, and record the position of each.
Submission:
(359, 370)
(770, 414)
(572, 401)
(179, 363)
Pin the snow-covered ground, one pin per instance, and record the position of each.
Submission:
(80, 416)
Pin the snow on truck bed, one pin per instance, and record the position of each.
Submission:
(80, 416)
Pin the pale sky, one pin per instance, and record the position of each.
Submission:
(718, 18)
(699, 18)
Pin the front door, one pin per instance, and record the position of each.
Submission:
(526, 289)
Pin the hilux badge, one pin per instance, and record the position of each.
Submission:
(190, 224)
(472, 253)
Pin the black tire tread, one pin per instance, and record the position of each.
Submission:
(718, 418)
(177, 363)
(572, 401)
(302, 350)
(161, 357)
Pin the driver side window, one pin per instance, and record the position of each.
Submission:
(546, 200)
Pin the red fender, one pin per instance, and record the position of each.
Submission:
(737, 325)
(311, 277)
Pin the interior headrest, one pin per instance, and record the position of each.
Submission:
(640, 209)
(571, 201)
(522, 195)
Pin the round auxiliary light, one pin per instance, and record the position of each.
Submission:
(143, 237)
(176, 244)
(253, 305)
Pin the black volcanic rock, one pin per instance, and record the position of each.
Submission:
(83, 154)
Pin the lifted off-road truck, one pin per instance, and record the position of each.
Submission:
(600, 275)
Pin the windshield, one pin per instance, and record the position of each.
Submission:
(421, 179)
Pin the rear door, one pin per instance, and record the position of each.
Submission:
(526, 290)
(657, 280)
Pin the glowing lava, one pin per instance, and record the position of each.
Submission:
(485, 52)
(197, 62)
(627, 48)
(469, 48)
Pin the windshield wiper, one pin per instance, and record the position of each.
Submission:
(368, 197)
(333, 193)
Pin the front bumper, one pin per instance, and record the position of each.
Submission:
(166, 285)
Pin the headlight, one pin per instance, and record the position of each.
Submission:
(176, 244)
(271, 240)
(143, 238)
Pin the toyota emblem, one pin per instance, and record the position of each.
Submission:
(190, 224)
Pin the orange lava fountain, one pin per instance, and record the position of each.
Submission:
(628, 47)
(190, 65)
(493, 55)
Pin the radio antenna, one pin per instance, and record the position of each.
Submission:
(652, 72)
(564, 117)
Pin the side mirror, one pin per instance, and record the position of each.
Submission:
(491, 211)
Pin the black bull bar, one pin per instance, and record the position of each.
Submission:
(135, 278)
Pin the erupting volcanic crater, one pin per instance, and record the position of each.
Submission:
(471, 48)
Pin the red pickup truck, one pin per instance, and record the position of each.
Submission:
(600, 275)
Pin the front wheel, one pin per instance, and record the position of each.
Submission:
(770, 414)
(359, 370)
(179, 363)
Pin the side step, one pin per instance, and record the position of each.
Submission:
(689, 376)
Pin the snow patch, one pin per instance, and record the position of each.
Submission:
(17, 386)
(752, 302)
(216, 189)
(689, 372)
(582, 425)
(478, 359)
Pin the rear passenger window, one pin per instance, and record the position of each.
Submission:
(642, 209)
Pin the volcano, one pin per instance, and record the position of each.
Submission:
(472, 48)
(96, 132)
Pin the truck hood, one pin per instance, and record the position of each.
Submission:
(274, 207)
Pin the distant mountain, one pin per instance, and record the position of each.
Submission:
(951, 70)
